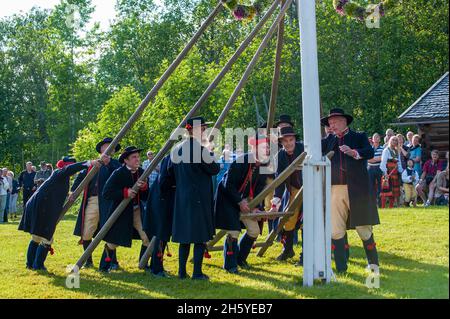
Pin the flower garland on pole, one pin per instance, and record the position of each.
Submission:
(355, 11)
(242, 12)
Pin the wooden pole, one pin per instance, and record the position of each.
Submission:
(148, 252)
(250, 67)
(166, 148)
(276, 75)
(149, 98)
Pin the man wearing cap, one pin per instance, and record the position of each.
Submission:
(94, 207)
(352, 203)
(159, 217)
(241, 183)
(290, 151)
(42, 175)
(44, 208)
(191, 169)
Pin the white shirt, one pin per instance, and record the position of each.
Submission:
(4, 186)
(385, 156)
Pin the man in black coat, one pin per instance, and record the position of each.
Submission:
(192, 167)
(290, 151)
(352, 203)
(244, 180)
(26, 183)
(94, 207)
(43, 210)
(129, 224)
(159, 217)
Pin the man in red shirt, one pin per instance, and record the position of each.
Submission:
(431, 168)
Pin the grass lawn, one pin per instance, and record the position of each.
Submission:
(413, 246)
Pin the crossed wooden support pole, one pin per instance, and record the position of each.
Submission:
(166, 148)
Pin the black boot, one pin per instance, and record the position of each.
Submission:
(230, 255)
(31, 253)
(89, 262)
(245, 246)
(288, 244)
(143, 249)
(370, 247)
(106, 261)
(340, 258)
(347, 248)
(199, 251)
(300, 260)
(114, 262)
(157, 263)
(41, 255)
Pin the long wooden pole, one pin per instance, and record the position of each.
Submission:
(250, 67)
(149, 98)
(276, 76)
(166, 148)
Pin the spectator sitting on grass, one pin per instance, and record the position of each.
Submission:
(431, 169)
(441, 194)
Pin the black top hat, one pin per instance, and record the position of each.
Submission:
(284, 118)
(106, 140)
(287, 131)
(68, 159)
(196, 121)
(127, 152)
(336, 112)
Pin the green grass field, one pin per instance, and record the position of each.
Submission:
(413, 246)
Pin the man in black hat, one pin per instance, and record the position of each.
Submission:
(26, 183)
(129, 224)
(191, 168)
(43, 210)
(292, 149)
(94, 207)
(241, 183)
(284, 121)
(352, 203)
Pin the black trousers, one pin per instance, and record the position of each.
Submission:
(26, 196)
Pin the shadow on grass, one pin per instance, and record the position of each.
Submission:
(401, 278)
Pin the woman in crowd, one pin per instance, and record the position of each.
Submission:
(391, 166)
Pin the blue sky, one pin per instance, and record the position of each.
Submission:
(103, 13)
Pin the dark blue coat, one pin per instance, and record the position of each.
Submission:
(104, 205)
(122, 232)
(363, 207)
(160, 204)
(227, 211)
(43, 209)
(283, 163)
(193, 210)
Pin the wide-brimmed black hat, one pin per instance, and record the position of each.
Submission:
(336, 112)
(106, 140)
(197, 121)
(127, 152)
(284, 118)
(264, 125)
(287, 131)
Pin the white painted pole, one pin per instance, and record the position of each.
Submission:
(329, 273)
(314, 210)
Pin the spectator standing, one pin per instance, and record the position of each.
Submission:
(26, 182)
(154, 175)
(13, 197)
(4, 186)
(42, 175)
(415, 153)
(4, 213)
(375, 173)
(409, 139)
(387, 137)
(391, 166)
